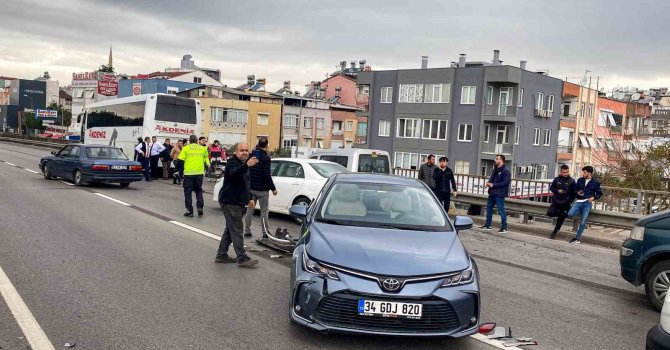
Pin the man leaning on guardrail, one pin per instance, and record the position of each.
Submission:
(588, 191)
(498, 186)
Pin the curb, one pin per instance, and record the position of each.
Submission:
(532, 230)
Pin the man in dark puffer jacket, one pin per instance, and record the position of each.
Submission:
(261, 184)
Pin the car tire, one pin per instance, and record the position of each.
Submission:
(301, 201)
(125, 184)
(660, 272)
(78, 178)
(46, 172)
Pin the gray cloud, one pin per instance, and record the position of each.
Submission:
(623, 42)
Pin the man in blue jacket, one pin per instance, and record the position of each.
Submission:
(587, 191)
(261, 185)
(498, 189)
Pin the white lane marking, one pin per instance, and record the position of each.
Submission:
(8, 163)
(196, 230)
(493, 342)
(35, 336)
(67, 183)
(112, 199)
(31, 170)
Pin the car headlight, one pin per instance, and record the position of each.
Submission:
(637, 233)
(464, 277)
(314, 267)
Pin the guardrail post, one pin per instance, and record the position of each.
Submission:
(638, 207)
(525, 218)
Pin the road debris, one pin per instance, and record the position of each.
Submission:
(70, 345)
(275, 256)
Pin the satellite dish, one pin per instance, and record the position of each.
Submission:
(635, 97)
(618, 95)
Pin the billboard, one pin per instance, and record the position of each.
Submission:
(108, 86)
(32, 94)
(46, 113)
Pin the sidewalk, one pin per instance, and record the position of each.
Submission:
(594, 235)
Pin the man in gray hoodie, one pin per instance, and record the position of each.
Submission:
(426, 171)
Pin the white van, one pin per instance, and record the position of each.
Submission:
(356, 160)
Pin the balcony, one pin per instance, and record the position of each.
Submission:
(565, 149)
(661, 133)
(542, 113)
(493, 148)
(337, 132)
(500, 112)
(615, 129)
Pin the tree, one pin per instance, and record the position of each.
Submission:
(106, 69)
(64, 115)
(31, 121)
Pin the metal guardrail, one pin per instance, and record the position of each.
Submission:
(38, 142)
(601, 217)
(614, 199)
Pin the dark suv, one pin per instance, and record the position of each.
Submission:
(645, 256)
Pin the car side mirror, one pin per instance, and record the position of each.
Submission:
(463, 223)
(298, 211)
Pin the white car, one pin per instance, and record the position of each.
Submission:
(298, 181)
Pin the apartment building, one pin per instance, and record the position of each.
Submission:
(306, 122)
(576, 141)
(608, 134)
(469, 112)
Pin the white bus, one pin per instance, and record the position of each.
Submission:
(119, 122)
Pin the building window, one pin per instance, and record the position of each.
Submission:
(583, 110)
(235, 116)
(350, 125)
(319, 143)
(307, 142)
(434, 129)
(487, 131)
(437, 93)
(411, 93)
(384, 128)
(517, 135)
(406, 160)
(291, 121)
(462, 167)
(408, 128)
(307, 123)
(465, 132)
(539, 103)
(502, 134)
(536, 139)
(263, 119)
(387, 95)
(320, 123)
(521, 97)
(550, 103)
(217, 115)
(197, 80)
(290, 141)
(489, 95)
(547, 137)
(468, 95)
(590, 110)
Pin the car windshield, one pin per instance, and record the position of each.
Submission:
(327, 169)
(105, 153)
(383, 206)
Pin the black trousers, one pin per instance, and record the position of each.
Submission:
(178, 169)
(445, 198)
(562, 212)
(153, 163)
(193, 183)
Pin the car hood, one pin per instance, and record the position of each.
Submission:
(387, 251)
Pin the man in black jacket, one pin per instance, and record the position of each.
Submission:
(234, 198)
(261, 184)
(563, 189)
(444, 182)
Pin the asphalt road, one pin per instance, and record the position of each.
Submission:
(105, 276)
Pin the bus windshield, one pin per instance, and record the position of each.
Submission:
(176, 109)
(126, 114)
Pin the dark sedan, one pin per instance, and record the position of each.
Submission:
(84, 164)
(379, 255)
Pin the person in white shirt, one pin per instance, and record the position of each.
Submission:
(156, 149)
(142, 151)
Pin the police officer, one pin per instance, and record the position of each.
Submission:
(193, 155)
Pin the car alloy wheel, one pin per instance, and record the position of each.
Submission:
(77, 178)
(661, 285)
(657, 283)
(46, 172)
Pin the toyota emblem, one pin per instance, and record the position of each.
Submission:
(391, 284)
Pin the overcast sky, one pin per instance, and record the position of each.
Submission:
(623, 42)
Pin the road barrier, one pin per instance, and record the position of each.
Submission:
(35, 141)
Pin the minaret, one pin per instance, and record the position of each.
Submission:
(110, 57)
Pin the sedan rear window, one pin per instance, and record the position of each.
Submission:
(383, 206)
(373, 163)
(105, 153)
(327, 169)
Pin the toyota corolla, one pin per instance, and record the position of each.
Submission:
(378, 255)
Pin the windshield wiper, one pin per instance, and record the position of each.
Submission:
(397, 227)
(331, 221)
